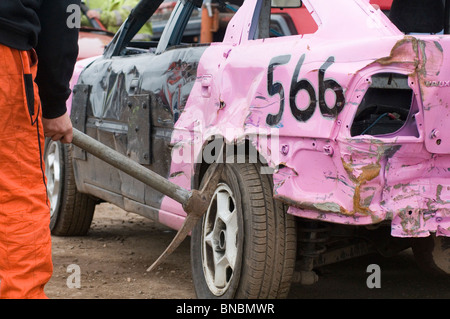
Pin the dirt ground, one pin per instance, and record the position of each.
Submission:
(113, 259)
(120, 246)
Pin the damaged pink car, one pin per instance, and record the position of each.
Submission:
(334, 142)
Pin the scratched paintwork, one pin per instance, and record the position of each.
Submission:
(295, 98)
(320, 170)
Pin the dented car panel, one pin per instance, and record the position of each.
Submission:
(396, 176)
(133, 106)
(350, 120)
(307, 92)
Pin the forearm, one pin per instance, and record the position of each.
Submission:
(57, 52)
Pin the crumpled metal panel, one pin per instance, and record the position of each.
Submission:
(295, 99)
(133, 103)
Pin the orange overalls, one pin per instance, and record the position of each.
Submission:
(25, 241)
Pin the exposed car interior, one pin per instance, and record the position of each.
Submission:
(389, 105)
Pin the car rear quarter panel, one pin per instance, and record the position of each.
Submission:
(276, 93)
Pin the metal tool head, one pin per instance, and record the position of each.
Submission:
(195, 207)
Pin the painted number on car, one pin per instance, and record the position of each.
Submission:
(297, 85)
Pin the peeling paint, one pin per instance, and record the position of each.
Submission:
(368, 173)
(295, 99)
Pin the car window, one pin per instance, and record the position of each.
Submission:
(418, 16)
(209, 23)
(297, 20)
(191, 34)
(286, 22)
(179, 27)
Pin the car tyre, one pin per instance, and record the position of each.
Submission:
(432, 254)
(71, 211)
(245, 244)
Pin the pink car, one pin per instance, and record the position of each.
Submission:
(334, 141)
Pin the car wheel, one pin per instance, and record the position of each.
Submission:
(432, 254)
(71, 211)
(245, 244)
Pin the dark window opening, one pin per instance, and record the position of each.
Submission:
(418, 16)
(387, 107)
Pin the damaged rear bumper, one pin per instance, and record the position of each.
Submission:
(401, 177)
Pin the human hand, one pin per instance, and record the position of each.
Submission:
(93, 14)
(58, 129)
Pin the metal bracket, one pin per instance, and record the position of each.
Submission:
(139, 129)
(78, 117)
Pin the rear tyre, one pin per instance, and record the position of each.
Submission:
(245, 244)
(432, 254)
(71, 211)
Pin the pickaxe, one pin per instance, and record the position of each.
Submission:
(195, 202)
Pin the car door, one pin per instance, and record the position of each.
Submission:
(129, 99)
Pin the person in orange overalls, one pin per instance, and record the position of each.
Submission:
(32, 105)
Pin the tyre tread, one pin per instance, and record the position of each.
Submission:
(77, 209)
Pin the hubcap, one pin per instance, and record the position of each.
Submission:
(53, 172)
(220, 240)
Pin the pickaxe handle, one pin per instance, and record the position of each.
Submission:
(195, 202)
(130, 167)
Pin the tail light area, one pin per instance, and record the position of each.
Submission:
(387, 109)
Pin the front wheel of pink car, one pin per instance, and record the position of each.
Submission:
(432, 254)
(245, 244)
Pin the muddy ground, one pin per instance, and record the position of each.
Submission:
(120, 246)
(113, 259)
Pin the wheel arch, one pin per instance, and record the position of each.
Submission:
(201, 166)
